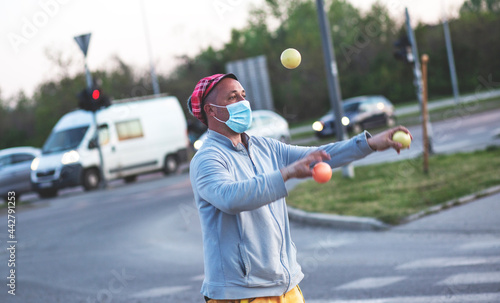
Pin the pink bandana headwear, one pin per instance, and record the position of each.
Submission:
(201, 91)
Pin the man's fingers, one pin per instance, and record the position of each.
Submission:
(401, 128)
(318, 156)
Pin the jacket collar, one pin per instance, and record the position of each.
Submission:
(219, 138)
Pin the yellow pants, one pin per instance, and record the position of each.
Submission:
(293, 296)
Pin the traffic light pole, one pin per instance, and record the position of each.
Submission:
(103, 183)
(83, 42)
(333, 81)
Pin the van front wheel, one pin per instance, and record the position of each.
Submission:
(171, 164)
(91, 179)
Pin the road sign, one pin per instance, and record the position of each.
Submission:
(83, 42)
(253, 74)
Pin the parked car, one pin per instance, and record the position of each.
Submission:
(265, 123)
(15, 170)
(364, 112)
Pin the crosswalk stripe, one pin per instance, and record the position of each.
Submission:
(480, 245)
(160, 292)
(198, 278)
(368, 283)
(448, 262)
(472, 278)
(468, 298)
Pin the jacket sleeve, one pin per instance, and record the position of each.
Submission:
(213, 183)
(341, 153)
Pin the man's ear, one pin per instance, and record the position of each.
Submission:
(209, 111)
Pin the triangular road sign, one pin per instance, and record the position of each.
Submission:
(83, 42)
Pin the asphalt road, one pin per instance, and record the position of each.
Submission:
(467, 101)
(141, 242)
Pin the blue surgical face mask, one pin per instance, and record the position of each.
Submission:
(240, 116)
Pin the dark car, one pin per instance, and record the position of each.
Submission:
(360, 113)
(15, 170)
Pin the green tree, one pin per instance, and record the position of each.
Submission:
(479, 6)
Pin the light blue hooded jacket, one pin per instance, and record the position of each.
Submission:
(240, 195)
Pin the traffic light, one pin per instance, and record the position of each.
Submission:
(403, 50)
(92, 99)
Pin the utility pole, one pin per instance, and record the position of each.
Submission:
(451, 61)
(332, 80)
(425, 113)
(154, 79)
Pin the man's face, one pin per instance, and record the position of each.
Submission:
(227, 92)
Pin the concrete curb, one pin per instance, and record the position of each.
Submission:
(336, 221)
(451, 203)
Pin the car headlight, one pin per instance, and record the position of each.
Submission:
(345, 121)
(317, 126)
(35, 163)
(197, 144)
(70, 157)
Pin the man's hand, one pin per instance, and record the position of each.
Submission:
(302, 167)
(384, 140)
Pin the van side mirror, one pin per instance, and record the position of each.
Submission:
(93, 143)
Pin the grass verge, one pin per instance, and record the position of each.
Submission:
(392, 191)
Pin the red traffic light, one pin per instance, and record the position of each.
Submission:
(95, 94)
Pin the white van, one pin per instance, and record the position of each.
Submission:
(136, 137)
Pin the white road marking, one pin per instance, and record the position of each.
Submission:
(477, 130)
(329, 243)
(368, 283)
(198, 278)
(160, 292)
(480, 245)
(472, 278)
(448, 262)
(469, 298)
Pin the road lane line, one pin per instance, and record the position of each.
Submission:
(472, 278)
(160, 292)
(369, 283)
(448, 262)
(198, 278)
(480, 245)
(469, 298)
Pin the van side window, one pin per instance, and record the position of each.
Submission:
(103, 134)
(4, 161)
(129, 129)
(19, 158)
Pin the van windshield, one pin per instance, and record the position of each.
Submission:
(64, 140)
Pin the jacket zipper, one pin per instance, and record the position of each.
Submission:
(281, 231)
(281, 250)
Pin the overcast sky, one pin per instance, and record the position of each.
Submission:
(31, 27)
